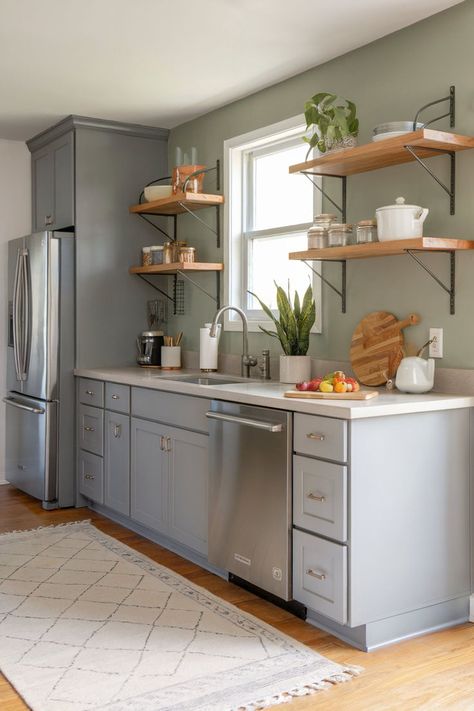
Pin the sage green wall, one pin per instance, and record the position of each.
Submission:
(388, 79)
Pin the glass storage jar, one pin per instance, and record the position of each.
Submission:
(146, 257)
(156, 254)
(339, 234)
(366, 231)
(177, 246)
(168, 252)
(187, 254)
(317, 237)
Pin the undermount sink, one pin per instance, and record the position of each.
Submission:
(205, 379)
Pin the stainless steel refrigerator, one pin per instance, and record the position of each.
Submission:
(40, 363)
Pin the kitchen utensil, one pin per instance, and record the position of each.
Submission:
(393, 129)
(400, 221)
(308, 395)
(415, 375)
(157, 192)
(178, 338)
(377, 346)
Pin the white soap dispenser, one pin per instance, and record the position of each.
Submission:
(208, 348)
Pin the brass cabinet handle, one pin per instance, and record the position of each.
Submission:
(115, 397)
(89, 476)
(316, 497)
(316, 435)
(89, 429)
(315, 574)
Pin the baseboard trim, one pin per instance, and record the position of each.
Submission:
(471, 608)
(3, 481)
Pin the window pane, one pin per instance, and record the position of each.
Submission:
(279, 198)
(268, 262)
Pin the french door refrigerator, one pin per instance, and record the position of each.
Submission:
(40, 363)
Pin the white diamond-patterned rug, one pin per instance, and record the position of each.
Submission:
(88, 623)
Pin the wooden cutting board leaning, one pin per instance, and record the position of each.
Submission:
(377, 346)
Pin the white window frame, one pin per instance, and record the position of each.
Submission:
(235, 222)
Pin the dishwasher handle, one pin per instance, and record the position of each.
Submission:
(267, 426)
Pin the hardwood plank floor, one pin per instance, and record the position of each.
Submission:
(435, 672)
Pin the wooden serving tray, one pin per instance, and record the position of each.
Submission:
(311, 395)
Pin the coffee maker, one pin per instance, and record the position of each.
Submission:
(149, 348)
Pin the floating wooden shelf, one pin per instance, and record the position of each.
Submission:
(384, 249)
(381, 154)
(177, 204)
(176, 267)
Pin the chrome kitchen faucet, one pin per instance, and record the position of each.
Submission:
(247, 360)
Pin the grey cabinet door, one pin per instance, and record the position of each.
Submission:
(42, 186)
(117, 462)
(53, 184)
(188, 454)
(149, 475)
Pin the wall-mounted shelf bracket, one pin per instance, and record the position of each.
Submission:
(216, 231)
(157, 227)
(451, 111)
(341, 208)
(157, 288)
(342, 292)
(215, 298)
(451, 289)
(451, 189)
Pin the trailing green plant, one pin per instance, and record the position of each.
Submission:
(333, 122)
(294, 323)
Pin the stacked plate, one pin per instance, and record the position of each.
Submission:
(393, 129)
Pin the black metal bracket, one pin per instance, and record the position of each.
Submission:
(157, 227)
(342, 293)
(451, 112)
(451, 289)
(202, 171)
(451, 189)
(341, 208)
(157, 288)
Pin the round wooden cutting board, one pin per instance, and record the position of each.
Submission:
(377, 346)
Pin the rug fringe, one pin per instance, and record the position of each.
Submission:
(347, 672)
(45, 528)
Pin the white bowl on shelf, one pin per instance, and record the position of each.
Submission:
(157, 192)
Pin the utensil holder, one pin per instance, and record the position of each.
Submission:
(170, 357)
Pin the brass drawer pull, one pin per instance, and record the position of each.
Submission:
(316, 497)
(315, 574)
(89, 429)
(316, 435)
(90, 392)
(89, 476)
(115, 397)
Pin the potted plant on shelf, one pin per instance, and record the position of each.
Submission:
(292, 330)
(334, 120)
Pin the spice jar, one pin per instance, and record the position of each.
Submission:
(339, 234)
(187, 254)
(146, 257)
(177, 246)
(317, 237)
(156, 254)
(168, 253)
(366, 231)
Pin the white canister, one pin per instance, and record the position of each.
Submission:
(208, 348)
(170, 357)
(295, 369)
(400, 221)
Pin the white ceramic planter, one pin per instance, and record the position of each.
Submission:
(295, 369)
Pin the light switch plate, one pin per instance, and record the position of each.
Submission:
(436, 348)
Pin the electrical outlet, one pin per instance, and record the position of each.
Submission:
(436, 348)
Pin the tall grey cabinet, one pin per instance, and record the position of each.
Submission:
(85, 174)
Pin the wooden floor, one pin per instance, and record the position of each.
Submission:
(432, 672)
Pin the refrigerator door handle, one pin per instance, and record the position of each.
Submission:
(16, 316)
(26, 311)
(14, 403)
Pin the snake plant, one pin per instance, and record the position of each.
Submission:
(294, 323)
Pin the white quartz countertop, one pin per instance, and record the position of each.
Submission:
(270, 394)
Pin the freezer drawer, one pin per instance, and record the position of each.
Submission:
(31, 446)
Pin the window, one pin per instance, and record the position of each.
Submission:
(267, 215)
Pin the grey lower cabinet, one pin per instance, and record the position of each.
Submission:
(381, 542)
(169, 475)
(117, 462)
(53, 184)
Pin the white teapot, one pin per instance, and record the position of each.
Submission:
(400, 221)
(415, 375)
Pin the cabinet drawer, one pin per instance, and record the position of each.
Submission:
(320, 575)
(91, 429)
(321, 437)
(173, 409)
(117, 397)
(320, 497)
(91, 392)
(91, 477)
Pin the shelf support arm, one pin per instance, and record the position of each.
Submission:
(451, 289)
(198, 286)
(341, 293)
(451, 189)
(198, 218)
(157, 227)
(342, 209)
(157, 288)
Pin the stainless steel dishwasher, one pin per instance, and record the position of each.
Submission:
(250, 494)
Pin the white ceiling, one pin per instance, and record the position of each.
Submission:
(162, 62)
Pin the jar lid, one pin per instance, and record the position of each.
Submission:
(146, 249)
(399, 205)
(187, 249)
(151, 334)
(325, 216)
(317, 230)
(156, 248)
(340, 227)
(367, 223)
